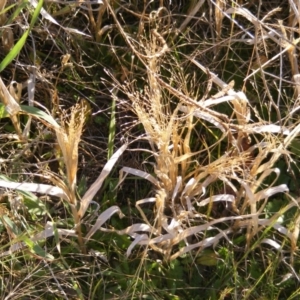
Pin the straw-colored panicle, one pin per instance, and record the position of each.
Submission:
(68, 137)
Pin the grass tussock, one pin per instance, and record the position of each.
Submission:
(183, 185)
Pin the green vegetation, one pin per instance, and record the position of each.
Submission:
(149, 150)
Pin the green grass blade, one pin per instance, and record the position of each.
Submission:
(19, 45)
(31, 110)
(16, 13)
(3, 112)
(14, 51)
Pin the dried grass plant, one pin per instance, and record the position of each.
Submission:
(68, 135)
(187, 189)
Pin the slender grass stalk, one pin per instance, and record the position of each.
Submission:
(112, 126)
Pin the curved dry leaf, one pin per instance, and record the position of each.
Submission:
(211, 102)
(176, 189)
(216, 198)
(245, 13)
(266, 193)
(138, 240)
(265, 174)
(173, 228)
(271, 128)
(89, 195)
(176, 234)
(273, 244)
(49, 231)
(133, 229)
(205, 116)
(143, 201)
(138, 173)
(103, 218)
(201, 245)
(294, 133)
(285, 278)
(48, 17)
(36, 188)
(190, 186)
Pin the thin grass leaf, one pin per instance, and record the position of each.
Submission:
(266, 193)
(13, 228)
(19, 45)
(245, 13)
(112, 126)
(176, 189)
(103, 218)
(36, 188)
(49, 231)
(216, 198)
(207, 242)
(31, 90)
(138, 173)
(19, 7)
(271, 128)
(137, 241)
(272, 243)
(13, 248)
(205, 116)
(89, 195)
(48, 17)
(232, 96)
(193, 11)
(35, 112)
(143, 201)
(44, 13)
(133, 229)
